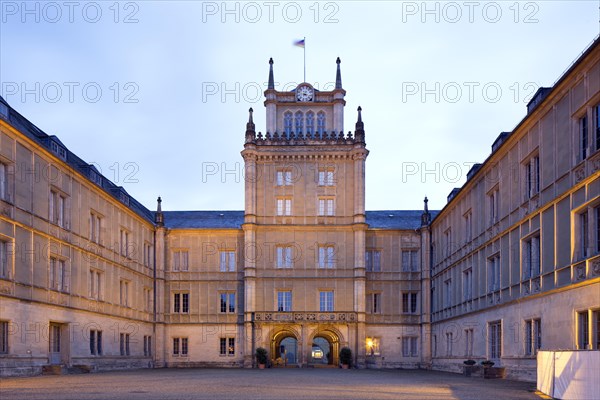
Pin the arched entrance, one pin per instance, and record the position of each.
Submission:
(324, 348)
(284, 348)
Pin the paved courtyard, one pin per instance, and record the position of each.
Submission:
(263, 384)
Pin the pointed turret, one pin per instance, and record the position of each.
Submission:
(271, 80)
(426, 216)
(338, 75)
(250, 128)
(159, 218)
(359, 132)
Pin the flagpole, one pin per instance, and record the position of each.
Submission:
(304, 48)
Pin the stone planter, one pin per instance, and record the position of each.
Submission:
(471, 370)
(494, 372)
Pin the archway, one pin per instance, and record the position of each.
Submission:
(284, 348)
(324, 348)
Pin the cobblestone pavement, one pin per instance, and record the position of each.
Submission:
(263, 384)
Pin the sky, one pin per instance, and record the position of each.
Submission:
(156, 93)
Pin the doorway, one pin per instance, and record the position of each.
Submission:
(56, 344)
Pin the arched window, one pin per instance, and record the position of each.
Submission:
(287, 123)
(310, 124)
(321, 123)
(299, 122)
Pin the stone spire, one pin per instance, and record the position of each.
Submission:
(359, 132)
(250, 128)
(426, 216)
(338, 75)
(271, 80)
(159, 218)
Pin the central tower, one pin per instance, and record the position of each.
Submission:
(304, 227)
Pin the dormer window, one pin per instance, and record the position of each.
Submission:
(287, 123)
(299, 122)
(57, 149)
(321, 123)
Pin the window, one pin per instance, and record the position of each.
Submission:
(531, 257)
(374, 303)
(467, 284)
(434, 346)
(284, 257)
(124, 344)
(180, 347)
(493, 200)
(147, 346)
(227, 302)
(494, 273)
(148, 255)
(326, 206)
(284, 178)
(284, 301)
(533, 336)
(148, 299)
(287, 124)
(180, 260)
(583, 137)
(326, 301)
(468, 217)
(326, 256)
(227, 261)
(409, 346)
(124, 293)
(532, 177)
(372, 346)
(3, 337)
(57, 208)
(310, 124)
(326, 177)
(124, 242)
(583, 234)
(449, 340)
(373, 260)
(95, 225)
(495, 339)
(596, 329)
(409, 303)
(448, 292)
(4, 260)
(299, 122)
(583, 331)
(449, 244)
(96, 342)
(3, 181)
(468, 342)
(181, 303)
(597, 214)
(597, 123)
(227, 346)
(321, 123)
(58, 275)
(284, 206)
(96, 286)
(410, 261)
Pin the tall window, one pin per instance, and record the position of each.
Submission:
(468, 217)
(374, 303)
(449, 243)
(583, 137)
(410, 261)
(4, 260)
(124, 293)
(148, 255)
(373, 346)
(373, 260)
(299, 122)
(284, 178)
(493, 201)
(181, 303)
(597, 123)
(227, 300)
(584, 234)
(287, 124)
(326, 301)
(3, 337)
(597, 215)
(583, 330)
(327, 256)
(532, 176)
(95, 342)
(449, 341)
(326, 177)
(124, 242)
(468, 342)
(409, 347)
(58, 275)
(284, 206)
(57, 208)
(447, 292)
(531, 257)
(533, 336)
(148, 299)
(321, 123)
(3, 181)
(180, 347)
(284, 301)
(227, 346)
(96, 286)
(310, 124)
(467, 284)
(326, 206)
(147, 346)
(284, 257)
(95, 225)
(494, 273)
(495, 339)
(409, 303)
(180, 260)
(124, 344)
(227, 261)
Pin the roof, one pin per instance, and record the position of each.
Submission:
(387, 219)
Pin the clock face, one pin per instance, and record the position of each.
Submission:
(304, 93)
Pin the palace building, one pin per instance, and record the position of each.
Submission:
(91, 279)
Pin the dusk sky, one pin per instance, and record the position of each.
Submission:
(156, 93)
